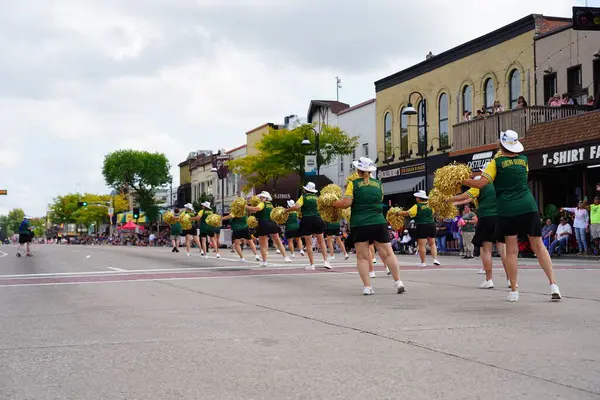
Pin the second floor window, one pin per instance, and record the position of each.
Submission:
(421, 125)
(489, 94)
(514, 88)
(403, 133)
(467, 99)
(443, 117)
(387, 135)
(366, 150)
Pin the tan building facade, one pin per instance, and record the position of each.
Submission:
(253, 136)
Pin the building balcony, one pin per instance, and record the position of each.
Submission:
(484, 131)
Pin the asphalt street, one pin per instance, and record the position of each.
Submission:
(99, 322)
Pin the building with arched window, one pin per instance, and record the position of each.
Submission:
(457, 85)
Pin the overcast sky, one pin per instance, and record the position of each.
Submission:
(81, 78)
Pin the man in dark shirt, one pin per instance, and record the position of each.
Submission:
(548, 231)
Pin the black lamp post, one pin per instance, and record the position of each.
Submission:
(306, 142)
(410, 110)
(222, 171)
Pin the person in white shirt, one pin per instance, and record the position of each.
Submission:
(581, 225)
(563, 232)
(405, 242)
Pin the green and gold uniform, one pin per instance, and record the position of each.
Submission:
(422, 214)
(311, 224)
(367, 222)
(239, 224)
(205, 229)
(308, 205)
(265, 225)
(487, 211)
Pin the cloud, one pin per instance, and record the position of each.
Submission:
(82, 78)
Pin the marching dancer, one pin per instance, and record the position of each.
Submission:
(192, 233)
(367, 223)
(486, 233)
(267, 228)
(292, 230)
(517, 209)
(311, 225)
(332, 232)
(241, 232)
(207, 231)
(425, 227)
(176, 232)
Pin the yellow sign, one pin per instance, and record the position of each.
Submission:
(3, 192)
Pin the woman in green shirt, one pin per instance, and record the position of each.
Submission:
(267, 228)
(241, 231)
(292, 230)
(176, 231)
(517, 209)
(425, 227)
(207, 230)
(367, 223)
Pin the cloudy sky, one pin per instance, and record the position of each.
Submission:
(81, 78)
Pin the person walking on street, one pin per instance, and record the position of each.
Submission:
(25, 236)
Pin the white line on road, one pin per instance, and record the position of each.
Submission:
(3, 254)
(116, 269)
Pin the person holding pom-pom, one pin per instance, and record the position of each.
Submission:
(368, 224)
(241, 231)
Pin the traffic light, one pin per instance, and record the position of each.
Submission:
(136, 212)
(82, 204)
(586, 18)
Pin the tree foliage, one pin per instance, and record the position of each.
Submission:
(38, 225)
(64, 209)
(258, 170)
(284, 147)
(15, 217)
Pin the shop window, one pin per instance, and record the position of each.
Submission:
(387, 135)
(514, 88)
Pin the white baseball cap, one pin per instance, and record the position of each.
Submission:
(510, 141)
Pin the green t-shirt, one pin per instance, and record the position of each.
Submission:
(422, 214)
(265, 213)
(292, 222)
(176, 229)
(239, 224)
(486, 200)
(595, 213)
(309, 205)
(204, 227)
(333, 225)
(468, 217)
(509, 175)
(366, 202)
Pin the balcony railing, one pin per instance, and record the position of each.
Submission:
(482, 131)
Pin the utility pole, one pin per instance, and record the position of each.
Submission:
(338, 84)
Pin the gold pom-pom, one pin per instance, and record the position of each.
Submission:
(448, 180)
(327, 199)
(170, 218)
(252, 222)
(347, 213)
(214, 220)
(334, 189)
(279, 215)
(353, 176)
(328, 212)
(254, 201)
(238, 207)
(185, 221)
(441, 205)
(394, 218)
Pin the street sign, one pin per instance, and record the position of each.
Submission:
(3, 192)
(310, 165)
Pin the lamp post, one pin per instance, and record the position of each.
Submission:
(306, 142)
(222, 171)
(171, 185)
(410, 110)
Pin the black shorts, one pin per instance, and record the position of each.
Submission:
(292, 234)
(333, 232)
(267, 227)
(208, 233)
(527, 224)
(370, 233)
(425, 231)
(487, 231)
(24, 238)
(241, 234)
(311, 225)
(192, 231)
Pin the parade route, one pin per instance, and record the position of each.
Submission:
(102, 322)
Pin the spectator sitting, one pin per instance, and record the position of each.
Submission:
(497, 107)
(548, 232)
(521, 103)
(566, 99)
(406, 243)
(563, 232)
(554, 101)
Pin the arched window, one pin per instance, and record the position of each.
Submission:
(403, 133)
(387, 135)
(514, 88)
(489, 94)
(467, 99)
(443, 117)
(421, 124)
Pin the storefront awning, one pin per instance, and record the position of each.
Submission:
(404, 185)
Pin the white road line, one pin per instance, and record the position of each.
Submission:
(117, 269)
(3, 254)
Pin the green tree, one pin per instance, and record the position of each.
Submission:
(204, 197)
(284, 147)
(5, 226)
(62, 208)
(15, 217)
(39, 226)
(258, 170)
(140, 171)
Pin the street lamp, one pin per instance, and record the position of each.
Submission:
(410, 110)
(306, 142)
(440, 148)
(221, 170)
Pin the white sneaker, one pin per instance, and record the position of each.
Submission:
(302, 252)
(555, 292)
(513, 296)
(331, 258)
(421, 265)
(508, 284)
(202, 253)
(436, 262)
(293, 255)
(242, 260)
(481, 271)
(262, 264)
(218, 255)
(487, 284)
(326, 265)
(277, 251)
(368, 291)
(187, 254)
(257, 257)
(372, 274)
(310, 267)
(346, 256)
(374, 260)
(400, 287)
(287, 260)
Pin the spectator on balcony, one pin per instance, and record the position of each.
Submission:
(555, 101)
(497, 107)
(466, 116)
(590, 101)
(521, 103)
(479, 115)
(566, 100)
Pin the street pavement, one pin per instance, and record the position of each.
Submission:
(100, 322)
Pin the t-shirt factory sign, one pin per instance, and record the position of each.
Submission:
(587, 154)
